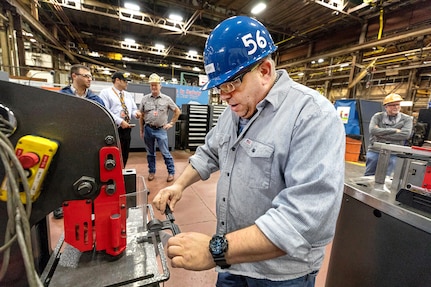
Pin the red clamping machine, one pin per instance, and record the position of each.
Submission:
(69, 161)
(99, 223)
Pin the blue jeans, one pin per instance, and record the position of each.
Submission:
(150, 138)
(371, 163)
(230, 280)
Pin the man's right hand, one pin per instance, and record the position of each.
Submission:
(124, 125)
(172, 194)
(168, 195)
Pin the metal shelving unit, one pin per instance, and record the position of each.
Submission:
(217, 110)
(196, 125)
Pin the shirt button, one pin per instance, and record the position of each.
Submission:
(222, 223)
(228, 174)
(224, 198)
(233, 149)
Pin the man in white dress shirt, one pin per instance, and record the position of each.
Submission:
(122, 106)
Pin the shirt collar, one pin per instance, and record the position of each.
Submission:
(117, 90)
(275, 95)
(74, 92)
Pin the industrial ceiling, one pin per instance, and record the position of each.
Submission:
(96, 31)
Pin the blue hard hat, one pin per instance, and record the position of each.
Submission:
(235, 44)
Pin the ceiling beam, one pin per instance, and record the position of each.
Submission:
(357, 48)
(40, 28)
(133, 16)
(135, 47)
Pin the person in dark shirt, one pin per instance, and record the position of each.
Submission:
(81, 78)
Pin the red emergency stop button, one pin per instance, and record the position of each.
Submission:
(28, 159)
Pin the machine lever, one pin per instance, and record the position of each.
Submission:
(175, 229)
(155, 224)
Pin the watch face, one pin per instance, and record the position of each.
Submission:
(217, 245)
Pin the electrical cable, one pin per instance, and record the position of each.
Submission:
(18, 225)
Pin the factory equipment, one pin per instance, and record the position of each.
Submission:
(61, 150)
(383, 232)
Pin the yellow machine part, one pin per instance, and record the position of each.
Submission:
(35, 155)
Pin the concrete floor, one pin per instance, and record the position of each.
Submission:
(195, 212)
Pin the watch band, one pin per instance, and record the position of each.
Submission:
(218, 246)
(221, 262)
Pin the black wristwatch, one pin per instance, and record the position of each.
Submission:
(218, 246)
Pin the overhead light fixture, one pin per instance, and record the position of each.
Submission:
(159, 46)
(192, 52)
(129, 59)
(132, 6)
(196, 69)
(176, 17)
(129, 40)
(258, 8)
(320, 61)
(94, 54)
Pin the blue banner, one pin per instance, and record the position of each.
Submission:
(190, 95)
(349, 115)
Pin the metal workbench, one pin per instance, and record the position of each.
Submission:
(379, 241)
(143, 263)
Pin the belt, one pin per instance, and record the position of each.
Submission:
(154, 127)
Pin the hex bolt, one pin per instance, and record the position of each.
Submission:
(85, 186)
(110, 164)
(110, 189)
(109, 140)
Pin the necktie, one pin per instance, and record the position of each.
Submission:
(123, 105)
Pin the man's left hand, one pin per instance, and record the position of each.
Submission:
(190, 250)
(168, 126)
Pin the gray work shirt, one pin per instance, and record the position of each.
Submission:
(394, 130)
(156, 109)
(284, 173)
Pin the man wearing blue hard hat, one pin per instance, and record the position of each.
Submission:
(279, 148)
